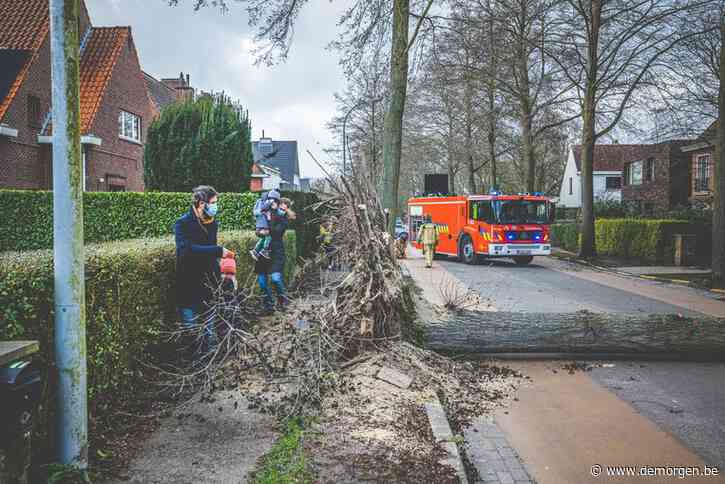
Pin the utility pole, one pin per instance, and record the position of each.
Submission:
(70, 312)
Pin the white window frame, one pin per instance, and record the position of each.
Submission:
(134, 134)
(697, 177)
(630, 172)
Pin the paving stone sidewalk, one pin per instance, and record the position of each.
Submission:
(492, 455)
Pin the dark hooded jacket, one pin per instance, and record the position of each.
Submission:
(278, 227)
(197, 260)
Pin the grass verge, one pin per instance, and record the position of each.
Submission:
(286, 463)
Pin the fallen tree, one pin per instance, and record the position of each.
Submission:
(579, 332)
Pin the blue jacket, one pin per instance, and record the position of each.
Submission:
(263, 205)
(197, 264)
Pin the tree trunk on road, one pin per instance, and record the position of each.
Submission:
(581, 332)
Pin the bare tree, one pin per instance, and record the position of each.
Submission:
(690, 95)
(606, 49)
(363, 22)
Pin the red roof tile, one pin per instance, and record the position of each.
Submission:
(22, 22)
(100, 55)
(24, 25)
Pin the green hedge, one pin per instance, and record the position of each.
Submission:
(130, 299)
(27, 222)
(647, 241)
(566, 236)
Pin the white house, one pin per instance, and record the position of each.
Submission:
(608, 165)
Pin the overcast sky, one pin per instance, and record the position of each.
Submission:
(291, 101)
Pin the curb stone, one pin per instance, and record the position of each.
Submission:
(443, 434)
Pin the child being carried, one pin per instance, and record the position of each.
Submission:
(263, 208)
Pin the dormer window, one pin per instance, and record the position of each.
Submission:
(129, 126)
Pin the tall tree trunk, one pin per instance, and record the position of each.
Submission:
(451, 159)
(492, 119)
(588, 245)
(469, 136)
(718, 213)
(524, 95)
(393, 128)
(527, 146)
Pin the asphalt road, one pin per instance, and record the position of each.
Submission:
(687, 399)
(549, 285)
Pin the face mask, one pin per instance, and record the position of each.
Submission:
(211, 209)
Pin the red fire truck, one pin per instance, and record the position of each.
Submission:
(495, 225)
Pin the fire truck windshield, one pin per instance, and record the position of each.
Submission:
(521, 211)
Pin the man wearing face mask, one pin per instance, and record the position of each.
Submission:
(197, 258)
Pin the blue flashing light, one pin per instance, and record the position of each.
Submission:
(510, 236)
(538, 194)
(538, 236)
(495, 193)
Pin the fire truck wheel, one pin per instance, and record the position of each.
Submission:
(465, 251)
(523, 260)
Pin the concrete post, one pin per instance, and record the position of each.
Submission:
(70, 325)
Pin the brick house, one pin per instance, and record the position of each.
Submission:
(657, 176)
(702, 166)
(115, 104)
(168, 91)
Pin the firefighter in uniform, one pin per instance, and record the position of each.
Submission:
(428, 237)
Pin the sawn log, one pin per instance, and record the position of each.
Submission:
(580, 332)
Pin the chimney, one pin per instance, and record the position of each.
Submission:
(262, 133)
(188, 80)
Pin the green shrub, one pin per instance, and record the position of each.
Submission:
(610, 209)
(644, 240)
(566, 236)
(27, 223)
(647, 241)
(130, 300)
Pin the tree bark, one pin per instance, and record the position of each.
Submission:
(492, 119)
(718, 213)
(393, 128)
(588, 245)
(451, 158)
(472, 185)
(581, 332)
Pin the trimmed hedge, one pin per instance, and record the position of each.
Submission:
(649, 241)
(130, 300)
(27, 222)
(566, 236)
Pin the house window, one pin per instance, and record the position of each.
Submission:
(129, 126)
(649, 170)
(571, 186)
(613, 182)
(34, 114)
(702, 173)
(116, 188)
(634, 173)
